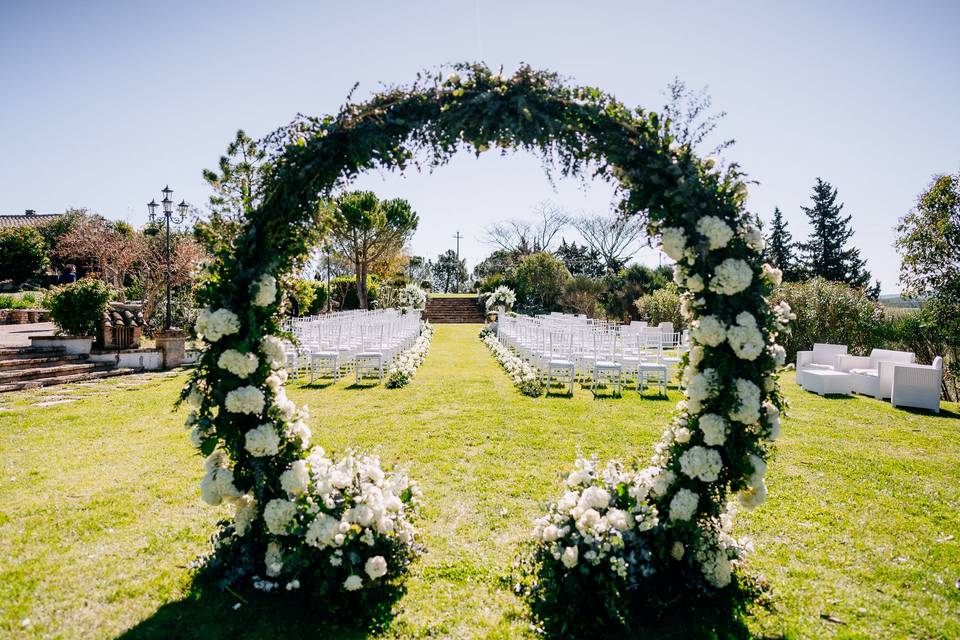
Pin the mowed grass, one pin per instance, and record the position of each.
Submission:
(100, 512)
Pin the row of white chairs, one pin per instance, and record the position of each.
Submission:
(567, 349)
(365, 342)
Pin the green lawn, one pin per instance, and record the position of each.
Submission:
(100, 511)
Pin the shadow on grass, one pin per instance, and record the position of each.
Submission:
(944, 413)
(207, 613)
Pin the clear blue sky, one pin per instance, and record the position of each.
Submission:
(105, 102)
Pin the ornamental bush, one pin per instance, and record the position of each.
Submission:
(663, 305)
(540, 279)
(77, 308)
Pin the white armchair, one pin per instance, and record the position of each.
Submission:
(873, 374)
(823, 357)
(917, 385)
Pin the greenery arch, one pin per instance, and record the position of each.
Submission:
(717, 443)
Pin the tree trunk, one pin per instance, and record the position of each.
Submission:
(360, 271)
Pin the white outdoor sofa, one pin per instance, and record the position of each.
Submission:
(873, 374)
(823, 357)
(917, 385)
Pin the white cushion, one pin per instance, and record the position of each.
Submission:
(864, 372)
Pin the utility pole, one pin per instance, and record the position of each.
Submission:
(458, 238)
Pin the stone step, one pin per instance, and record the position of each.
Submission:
(32, 360)
(76, 377)
(69, 368)
(28, 352)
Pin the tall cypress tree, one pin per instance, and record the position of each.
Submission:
(780, 249)
(825, 253)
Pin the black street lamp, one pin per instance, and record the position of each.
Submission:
(167, 203)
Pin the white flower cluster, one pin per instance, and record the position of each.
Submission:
(753, 237)
(717, 232)
(748, 403)
(771, 274)
(247, 399)
(756, 492)
(701, 463)
(344, 508)
(274, 351)
(237, 363)
(598, 521)
(502, 296)
(520, 371)
(714, 429)
(405, 365)
(745, 337)
(731, 276)
(265, 291)
(213, 325)
(412, 296)
(262, 441)
(709, 331)
(217, 484)
(673, 242)
(783, 313)
(701, 387)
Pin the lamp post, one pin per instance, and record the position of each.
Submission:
(167, 204)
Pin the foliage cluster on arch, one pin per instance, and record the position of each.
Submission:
(717, 443)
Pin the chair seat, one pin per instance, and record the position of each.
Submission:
(325, 354)
(607, 364)
(560, 363)
(819, 367)
(370, 354)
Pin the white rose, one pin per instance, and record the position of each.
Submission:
(353, 583)
(375, 567)
(266, 291)
(570, 557)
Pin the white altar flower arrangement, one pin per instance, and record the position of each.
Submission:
(412, 297)
(503, 296)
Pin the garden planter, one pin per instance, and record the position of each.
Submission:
(70, 344)
(18, 316)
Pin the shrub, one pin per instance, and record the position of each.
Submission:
(624, 287)
(582, 294)
(663, 305)
(311, 295)
(343, 290)
(540, 279)
(23, 254)
(830, 312)
(77, 308)
(26, 300)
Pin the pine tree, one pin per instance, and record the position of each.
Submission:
(826, 253)
(780, 249)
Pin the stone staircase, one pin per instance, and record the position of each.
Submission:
(453, 310)
(30, 367)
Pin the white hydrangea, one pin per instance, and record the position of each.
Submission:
(779, 354)
(773, 420)
(756, 492)
(677, 550)
(298, 430)
(783, 312)
(673, 241)
(278, 514)
(701, 463)
(709, 330)
(286, 408)
(731, 277)
(771, 274)
(266, 291)
(701, 387)
(322, 531)
(237, 363)
(594, 497)
(213, 325)
(745, 337)
(714, 429)
(353, 583)
(245, 514)
(245, 400)
(195, 398)
(696, 356)
(683, 505)
(262, 441)
(217, 485)
(375, 567)
(276, 380)
(717, 232)
(272, 347)
(412, 296)
(695, 283)
(296, 479)
(748, 399)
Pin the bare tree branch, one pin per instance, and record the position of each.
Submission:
(613, 237)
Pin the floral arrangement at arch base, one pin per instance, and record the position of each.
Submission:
(412, 297)
(503, 296)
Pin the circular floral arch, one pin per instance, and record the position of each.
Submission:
(717, 442)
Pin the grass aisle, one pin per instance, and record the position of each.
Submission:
(100, 513)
